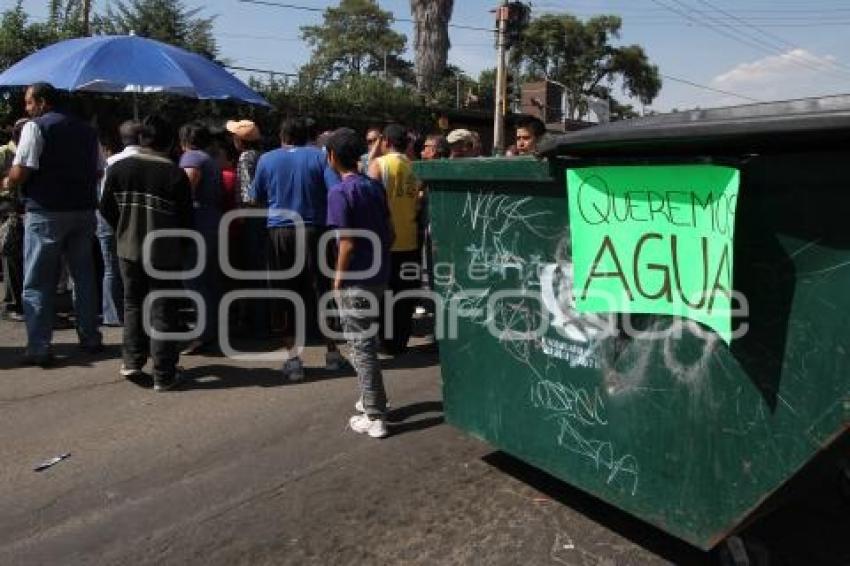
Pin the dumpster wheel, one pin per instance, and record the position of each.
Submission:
(742, 551)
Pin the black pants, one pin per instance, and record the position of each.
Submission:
(252, 255)
(137, 343)
(13, 283)
(401, 279)
(309, 284)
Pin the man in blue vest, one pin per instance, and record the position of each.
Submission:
(58, 165)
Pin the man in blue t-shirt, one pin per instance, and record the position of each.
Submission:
(294, 180)
(362, 271)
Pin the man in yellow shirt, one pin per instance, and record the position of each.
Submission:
(394, 170)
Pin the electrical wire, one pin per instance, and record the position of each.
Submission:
(264, 71)
(757, 44)
(313, 9)
(770, 46)
(708, 88)
(780, 41)
(460, 26)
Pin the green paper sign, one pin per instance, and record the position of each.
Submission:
(655, 240)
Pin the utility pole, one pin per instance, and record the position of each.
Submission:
(502, 16)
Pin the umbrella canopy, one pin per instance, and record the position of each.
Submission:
(127, 63)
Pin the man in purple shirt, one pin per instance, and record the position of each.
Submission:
(360, 203)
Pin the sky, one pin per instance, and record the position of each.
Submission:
(737, 51)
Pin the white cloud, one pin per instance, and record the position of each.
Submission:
(796, 73)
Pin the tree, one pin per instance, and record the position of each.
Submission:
(356, 38)
(169, 21)
(487, 88)
(431, 40)
(20, 38)
(445, 90)
(580, 55)
(65, 19)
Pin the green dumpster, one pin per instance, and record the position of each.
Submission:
(687, 417)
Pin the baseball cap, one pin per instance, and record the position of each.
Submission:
(243, 129)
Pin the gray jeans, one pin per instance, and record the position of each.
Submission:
(359, 325)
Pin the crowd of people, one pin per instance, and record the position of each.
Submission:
(70, 190)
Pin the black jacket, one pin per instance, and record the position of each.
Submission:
(144, 193)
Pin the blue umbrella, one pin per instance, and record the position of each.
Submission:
(127, 63)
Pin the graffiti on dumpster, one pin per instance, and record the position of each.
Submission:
(543, 292)
(541, 329)
(576, 410)
(655, 239)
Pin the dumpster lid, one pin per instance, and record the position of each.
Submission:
(752, 128)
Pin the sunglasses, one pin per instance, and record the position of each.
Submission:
(370, 141)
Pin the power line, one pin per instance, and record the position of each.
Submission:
(264, 71)
(712, 89)
(755, 43)
(282, 5)
(257, 37)
(719, 30)
(772, 36)
(313, 9)
(802, 60)
(666, 23)
(658, 12)
(630, 4)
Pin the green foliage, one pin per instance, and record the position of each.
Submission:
(166, 20)
(487, 88)
(581, 55)
(445, 91)
(345, 75)
(19, 37)
(362, 95)
(65, 19)
(356, 38)
(621, 111)
(169, 21)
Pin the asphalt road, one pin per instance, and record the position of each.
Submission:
(239, 468)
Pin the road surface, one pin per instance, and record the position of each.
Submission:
(239, 468)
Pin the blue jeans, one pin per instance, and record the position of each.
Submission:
(48, 235)
(112, 290)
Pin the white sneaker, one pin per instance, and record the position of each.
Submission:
(334, 361)
(358, 406)
(128, 372)
(376, 428)
(293, 370)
